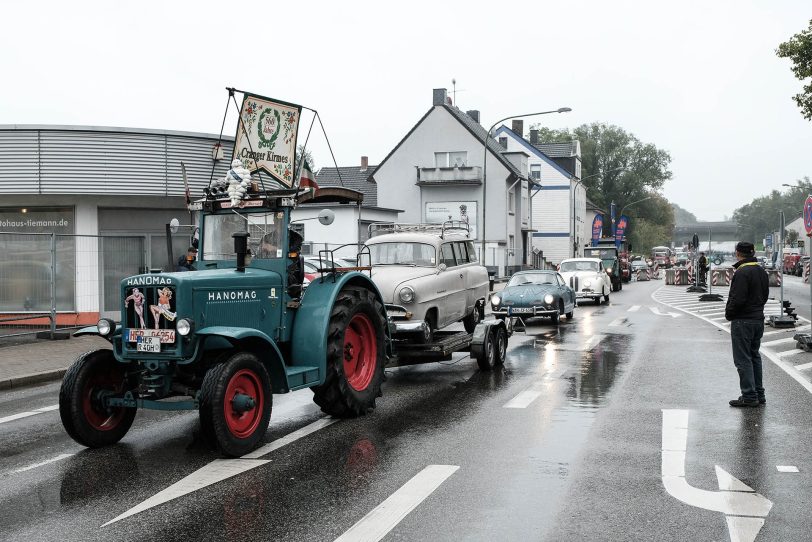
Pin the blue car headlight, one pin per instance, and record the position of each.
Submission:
(548, 298)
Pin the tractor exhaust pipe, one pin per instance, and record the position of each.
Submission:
(241, 248)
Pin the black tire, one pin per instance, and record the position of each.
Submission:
(500, 346)
(477, 315)
(431, 325)
(352, 385)
(556, 317)
(606, 298)
(233, 432)
(598, 300)
(571, 313)
(487, 358)
(84, 418)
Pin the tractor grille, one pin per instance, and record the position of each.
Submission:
(143, 306)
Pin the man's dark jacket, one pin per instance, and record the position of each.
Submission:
(184, 265)
(749, 291)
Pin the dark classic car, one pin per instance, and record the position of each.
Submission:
(533, 294)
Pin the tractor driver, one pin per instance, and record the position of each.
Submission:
(269, 246)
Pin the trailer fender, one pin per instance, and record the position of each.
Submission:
(257, 342)
(309, 337)
(483, 333)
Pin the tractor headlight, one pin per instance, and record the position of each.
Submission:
(406, 294)
(184, 326)
(587, 283)
(609, 270)
(548, 298)
(495, 300)
(106, 327)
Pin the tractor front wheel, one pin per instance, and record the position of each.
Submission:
(235, 404)
(93, 377)
(355, 355)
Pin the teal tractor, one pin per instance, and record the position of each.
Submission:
(224, 338)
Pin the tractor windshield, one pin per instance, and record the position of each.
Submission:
(264, 241)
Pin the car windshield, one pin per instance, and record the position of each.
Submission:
(578, 266)
(264, 238)
(418, 254)
(532, 278)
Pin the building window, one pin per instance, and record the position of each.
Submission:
(451, 159)
(503, 142)
(535, 172)
(511, 206)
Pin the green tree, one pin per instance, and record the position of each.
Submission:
(799, 50)
(300, 151)
(683, 216)
(760, 216)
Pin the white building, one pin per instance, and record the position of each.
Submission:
(559, 192)
(438, 170)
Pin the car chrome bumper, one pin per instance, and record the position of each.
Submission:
(535, 311)
(400, 322)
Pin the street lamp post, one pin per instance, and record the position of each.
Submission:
(614, 233)
(485, 162)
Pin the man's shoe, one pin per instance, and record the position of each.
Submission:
(741, 402)
(762, 401)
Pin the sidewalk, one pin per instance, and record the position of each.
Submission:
(42, 360)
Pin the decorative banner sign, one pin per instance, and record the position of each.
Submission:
(808, 215)
(620, 231)
(597, 229)
(266, 137)
(438, 212)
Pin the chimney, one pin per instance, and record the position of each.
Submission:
(439, 96)
(534, 137)
(474, 114)
(518, 127)
(364, 163)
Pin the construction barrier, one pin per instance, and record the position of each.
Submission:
(676, 276)
(644, 274)
(656, 273)
(729, 272)
(690, 269)
(719, 277)
(775, 277)
(806, 272)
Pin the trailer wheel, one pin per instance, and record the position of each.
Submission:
(235, 404)
(487, 357)
(355, 355)
(92, 377)
(500, 344)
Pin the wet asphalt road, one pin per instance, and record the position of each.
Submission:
(579, 461)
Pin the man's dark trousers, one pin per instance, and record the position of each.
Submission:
(746, 337)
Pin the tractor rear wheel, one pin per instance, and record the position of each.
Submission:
(93, 377)
(235, 404)
(355, 355)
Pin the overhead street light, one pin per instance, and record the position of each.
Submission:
(614, 233)
(485, 162)
(574, 192)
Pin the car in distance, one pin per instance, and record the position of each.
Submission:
(429, 276)
(534, 294)
(587, 278)
(640, 270)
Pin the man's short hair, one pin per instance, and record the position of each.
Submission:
(191, 249)
(746, 248)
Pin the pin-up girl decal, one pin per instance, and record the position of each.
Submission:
(162, 308)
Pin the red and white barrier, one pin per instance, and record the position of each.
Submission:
(806, 272)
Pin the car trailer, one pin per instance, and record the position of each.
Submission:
(487, 345)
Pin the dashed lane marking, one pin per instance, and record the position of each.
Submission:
(617, 322)
(60, 457)
(34, 412)
(786, 468)
(526, 397)
(385, 517)
(634, 308)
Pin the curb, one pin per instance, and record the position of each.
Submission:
(30, 379)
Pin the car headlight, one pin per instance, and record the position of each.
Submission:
(406, 294)
(184, 326)
(105, 327)
(587, 283)
(495, 299)
(608, 269)
(548, 298)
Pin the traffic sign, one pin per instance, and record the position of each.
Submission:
(808, 215)
(768, 240)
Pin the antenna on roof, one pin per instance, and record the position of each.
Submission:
(454, 89)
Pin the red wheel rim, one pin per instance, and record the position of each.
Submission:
(360, 352)
(100, 418)
(244, 382)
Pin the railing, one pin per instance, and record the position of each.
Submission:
(449, 226)
(363, 261)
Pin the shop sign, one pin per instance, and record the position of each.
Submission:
(37, 219)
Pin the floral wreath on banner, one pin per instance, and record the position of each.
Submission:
(290, 118)
(268, 141)
(249, 115)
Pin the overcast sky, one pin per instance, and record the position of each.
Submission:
(699, 79)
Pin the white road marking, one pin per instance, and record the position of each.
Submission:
(779, 331)
(634, 308)
(60, 457)
(221, 469)
(592, 342)
(803, 366)
(779, 341)
(34, 412)
(787, 354)
(734, 499)
(786, 468)
(617, 322)
(523, 400)
(383, 518)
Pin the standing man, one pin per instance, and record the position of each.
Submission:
(702, 264)
(745, 310)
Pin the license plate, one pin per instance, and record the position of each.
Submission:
(148, 344)
(164, 336)
(521, 310)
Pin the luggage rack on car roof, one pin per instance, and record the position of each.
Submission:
(447, 226)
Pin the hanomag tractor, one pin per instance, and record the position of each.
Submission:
(224, 338)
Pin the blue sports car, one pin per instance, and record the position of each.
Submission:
(532, 294)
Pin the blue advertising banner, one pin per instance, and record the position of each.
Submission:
(597, 229)
(620, 231)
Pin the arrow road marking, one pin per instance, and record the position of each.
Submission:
(734, 498)
(656, 311)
